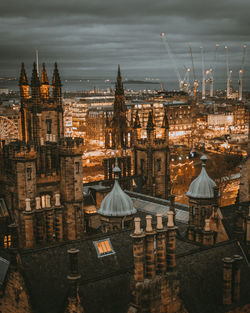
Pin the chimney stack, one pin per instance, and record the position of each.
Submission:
(138, 251)
(171, 242)
(160, 245)
(150, 256)
(236, 277)
(74, 302)
(227, 280)
(172, 204)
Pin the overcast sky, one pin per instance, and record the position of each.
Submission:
(88, 38)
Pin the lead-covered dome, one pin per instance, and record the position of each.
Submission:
(117, 202)
(203, 186)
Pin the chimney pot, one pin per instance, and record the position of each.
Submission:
(159, 221)
(137, 222)
(170, 219)
(57, 198)
(27, 205)
(38, 203)
(47, 199)
(149, 223)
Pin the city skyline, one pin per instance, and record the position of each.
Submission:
(90, 39)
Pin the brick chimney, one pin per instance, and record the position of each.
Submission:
(171, 242)
(236, 277)
(160, 245)
(74, 303)
(227, 280)
(150, 255)
(138, 251)
(58, 218)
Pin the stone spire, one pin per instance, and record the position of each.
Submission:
(44, 77)
(44, 83)
(56, 84)
(137, 123)
(150, 124)
(56, 80)
(119, 104)
(23, 77)
(34, 79)
(119, 84)
(165, 123)
(23, 84)
(35, 83)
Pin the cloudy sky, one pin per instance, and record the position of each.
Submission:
(88, 38)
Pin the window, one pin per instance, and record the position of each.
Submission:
(158, 164)
(77, 164)
(7, 241)
(48, 123)
(103, 247)
(29, 170)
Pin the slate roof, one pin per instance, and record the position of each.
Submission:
(201, 279)
(104, 285)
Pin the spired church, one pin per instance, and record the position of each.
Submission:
(144, 253)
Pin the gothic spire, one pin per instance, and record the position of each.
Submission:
(119, 85)
(44, 77)
(56, 77)
(23, 77)
(137, 123)
(34, 79)
(165, 120)
(150, 124)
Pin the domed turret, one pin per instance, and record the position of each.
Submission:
(203, 186)
(117, 202)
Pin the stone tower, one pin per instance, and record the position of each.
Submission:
(204, 222)
(118, 132)
(44, 170)
(151, 158)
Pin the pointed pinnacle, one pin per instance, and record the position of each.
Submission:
(34, 79)
(44, 76)
(150, 124)
(23, 77)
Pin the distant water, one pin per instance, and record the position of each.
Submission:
(86, 85)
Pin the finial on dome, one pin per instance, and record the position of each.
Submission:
(116, 169)
(204, 160)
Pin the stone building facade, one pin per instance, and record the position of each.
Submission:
(151, 158)
(41, 174)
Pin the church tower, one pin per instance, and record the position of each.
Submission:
(151, 158)
(118, 133)
(44, 169)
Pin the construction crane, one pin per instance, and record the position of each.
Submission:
(203, 92)
(166, 44)
(229, 74)
(241, 71)
(211, 72)
(196, 84)
(184, 83)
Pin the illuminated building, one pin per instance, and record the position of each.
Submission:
(43, 203)
(151, 158)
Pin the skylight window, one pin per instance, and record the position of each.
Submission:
(103, 247)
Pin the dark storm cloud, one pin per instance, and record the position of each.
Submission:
(89, 38)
